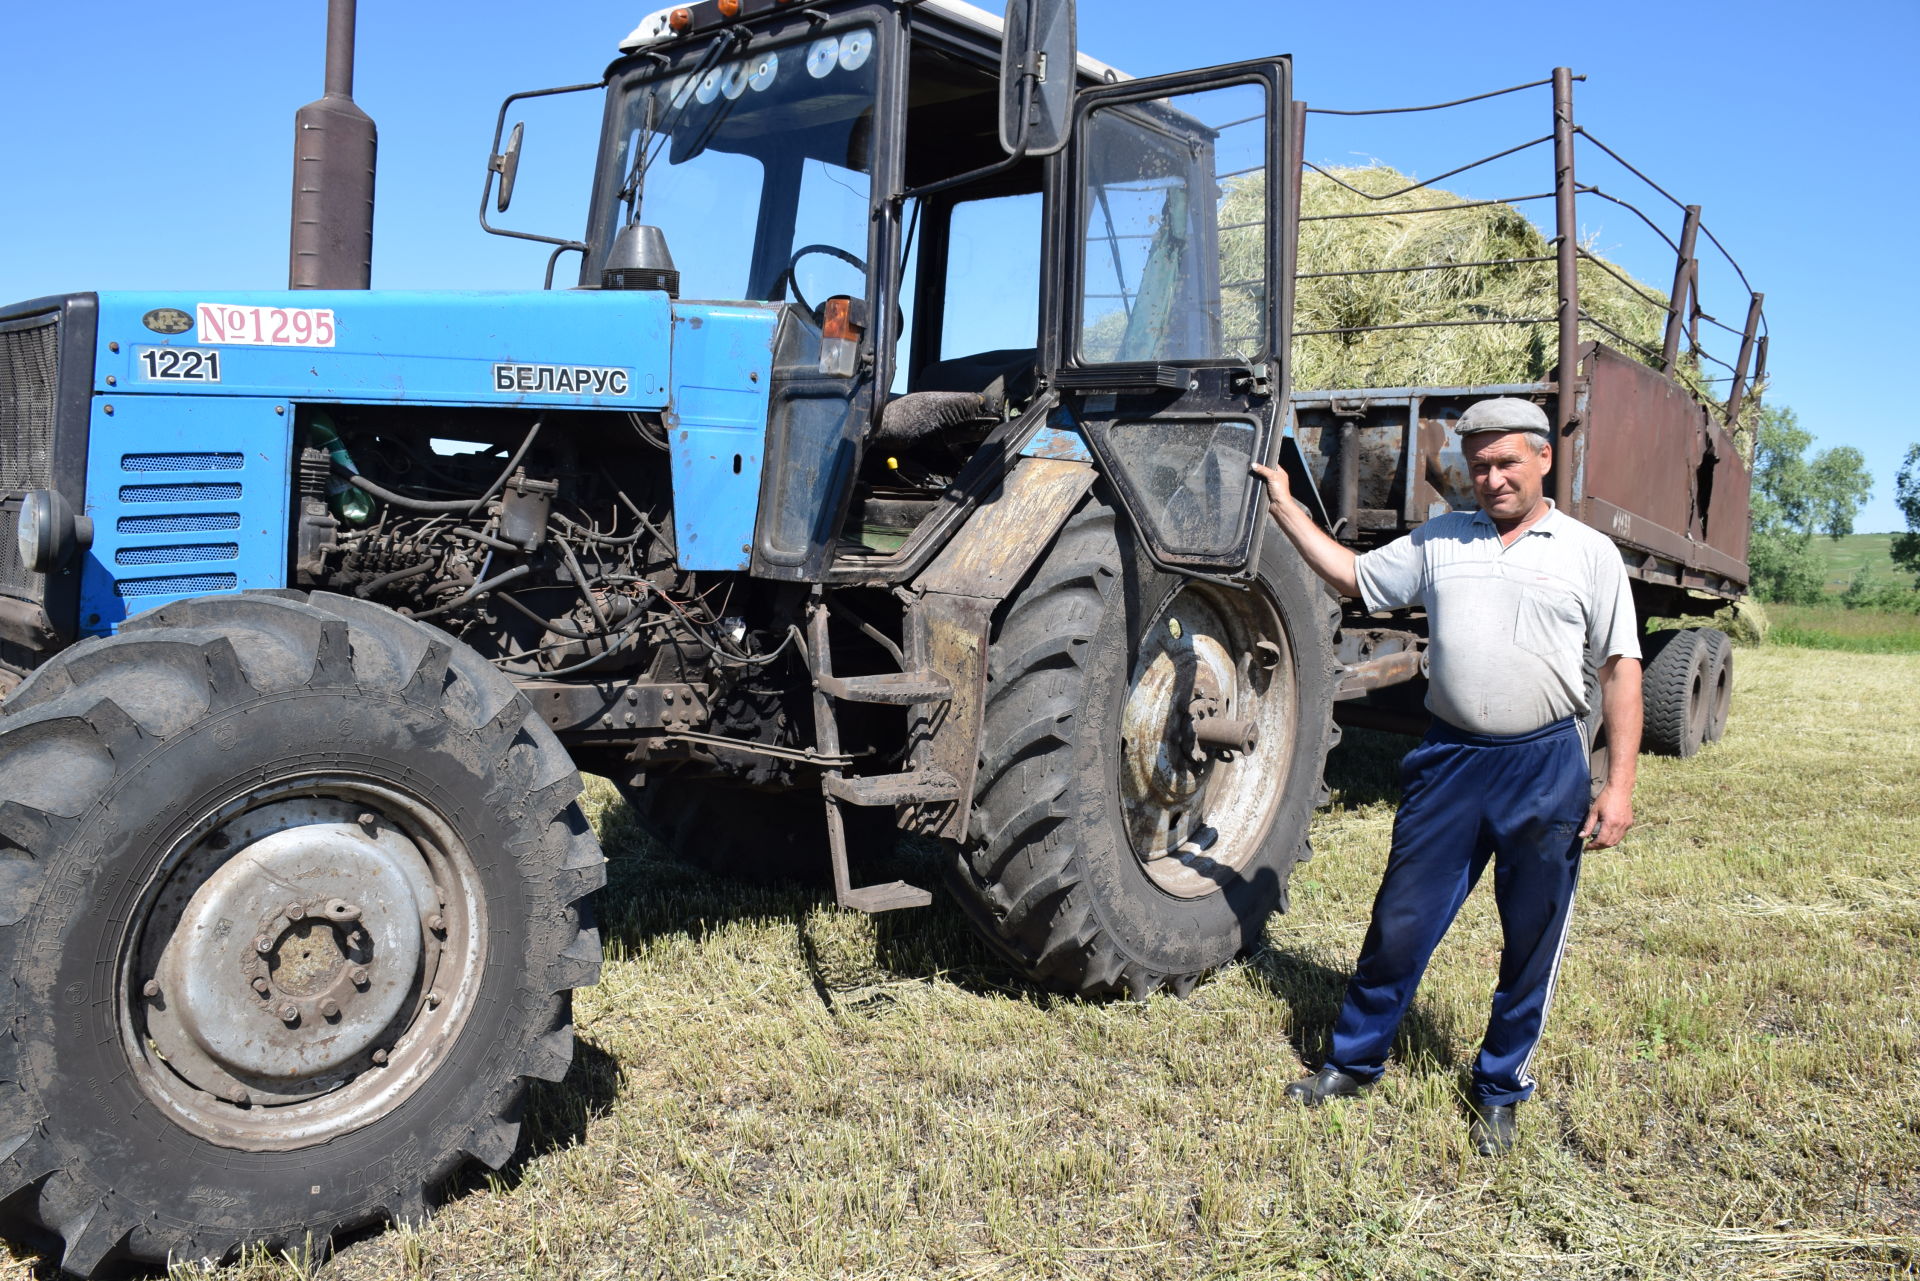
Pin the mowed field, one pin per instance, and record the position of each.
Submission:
(1730, 1080)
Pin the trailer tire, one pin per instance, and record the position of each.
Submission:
(1068, 795)
(1677, 695)
(295, 898)
(1719, 682)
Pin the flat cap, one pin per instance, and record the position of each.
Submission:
(1504, 413)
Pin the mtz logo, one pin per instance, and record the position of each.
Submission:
(569, 380)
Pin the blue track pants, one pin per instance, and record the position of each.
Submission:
(1519, 799)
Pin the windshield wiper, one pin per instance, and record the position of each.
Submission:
(649, 148)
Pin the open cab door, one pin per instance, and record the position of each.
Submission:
(1172, 311)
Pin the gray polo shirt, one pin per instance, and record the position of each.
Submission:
(1511, 629)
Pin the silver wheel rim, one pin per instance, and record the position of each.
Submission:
(1210, 654)
(301, 962)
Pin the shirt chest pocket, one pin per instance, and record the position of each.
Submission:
(1547, 619)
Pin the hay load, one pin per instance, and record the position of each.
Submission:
(1456, 356)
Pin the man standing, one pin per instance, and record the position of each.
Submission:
(1520, 598)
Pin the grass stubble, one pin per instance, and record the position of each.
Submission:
(1729, 1084)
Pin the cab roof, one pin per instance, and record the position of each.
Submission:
(654, 30)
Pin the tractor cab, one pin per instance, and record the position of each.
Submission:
(949, 276)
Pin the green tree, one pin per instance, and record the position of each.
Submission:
(1906, 492)
(1795, 498)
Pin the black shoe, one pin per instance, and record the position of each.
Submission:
(1327, 1083)
(1494, 1129)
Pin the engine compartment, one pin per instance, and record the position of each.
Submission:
(545, 542)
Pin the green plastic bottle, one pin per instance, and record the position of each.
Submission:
(349, 503)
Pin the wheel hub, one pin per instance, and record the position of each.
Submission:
(1205, 735)
(293, 959)
(1185, 681)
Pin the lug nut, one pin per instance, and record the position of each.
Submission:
(289, 1013)
(368, 820)
(294, 911)
(379, 1056)
(437, 923)
(151, 988)
(237, 1095)
(263, 945)
(359, 976)
(329, 1009)
(261, 985)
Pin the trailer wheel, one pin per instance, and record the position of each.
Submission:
(1114, 852)
(1719, 682)
(1677, 692)
(293, 905)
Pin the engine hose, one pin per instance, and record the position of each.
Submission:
(619, 643)
(373, 585)
(475, 591)
(464, 505)
(580, 581)
(595, 536)
(385, 495)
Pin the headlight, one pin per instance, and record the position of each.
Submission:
(33, 526)
(49, 534)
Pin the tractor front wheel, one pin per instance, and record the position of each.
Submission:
(293, 911)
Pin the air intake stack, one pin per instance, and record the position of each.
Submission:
(333, 160)
(639, 259)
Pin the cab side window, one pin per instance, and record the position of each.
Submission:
(991, 299)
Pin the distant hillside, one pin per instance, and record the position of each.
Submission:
(1849, 555)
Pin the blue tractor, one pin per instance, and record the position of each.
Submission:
(886, 468)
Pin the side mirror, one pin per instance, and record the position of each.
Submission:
(1038, 49)
(507, 164)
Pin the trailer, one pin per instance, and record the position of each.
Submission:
(1647, 456)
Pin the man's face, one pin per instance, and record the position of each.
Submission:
(1509, 476)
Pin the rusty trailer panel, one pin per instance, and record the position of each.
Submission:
(1660, 475)
(1648, 466)
(1388, 459)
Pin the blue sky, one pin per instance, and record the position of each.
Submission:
(149, 145)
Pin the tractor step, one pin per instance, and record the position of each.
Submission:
(898, 689)
(891, 896)
(893, 789)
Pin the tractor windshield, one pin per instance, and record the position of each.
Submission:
(756, 164)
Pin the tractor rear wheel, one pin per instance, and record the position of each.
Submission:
(293, 907)
(1152, 756)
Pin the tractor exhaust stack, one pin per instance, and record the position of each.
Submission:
(334, 147)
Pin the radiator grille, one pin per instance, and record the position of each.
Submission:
(182, 524)
(169, 555)
(179, 585)
(183, 462)
(29, 379)
(177, 493)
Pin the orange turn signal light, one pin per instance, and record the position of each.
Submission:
(681, 19)
(729, 8)
(837, 320)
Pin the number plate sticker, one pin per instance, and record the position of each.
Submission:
(178, 364)
(218, 322)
